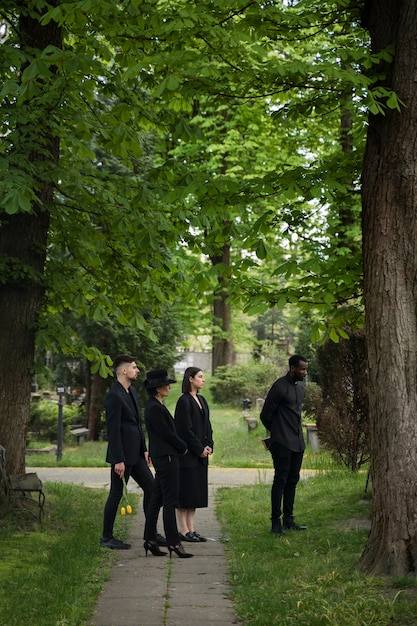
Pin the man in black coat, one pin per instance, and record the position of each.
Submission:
(281, 415)
(126, 450)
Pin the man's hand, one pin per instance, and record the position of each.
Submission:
(119, 468)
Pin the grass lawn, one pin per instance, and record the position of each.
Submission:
(306, 578)
(53, 576)
(309, 578)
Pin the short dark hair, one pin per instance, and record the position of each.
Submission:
(121, 359)
(295, 359)
(190, 372)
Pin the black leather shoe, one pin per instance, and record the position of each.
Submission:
(191, 538)
(160, 540)
(114, 544)
(199, 537)
(277, 529)
(293, 526)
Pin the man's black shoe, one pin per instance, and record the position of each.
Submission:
(114, 544)
(277, 529)
(160, 540)
(293, 526)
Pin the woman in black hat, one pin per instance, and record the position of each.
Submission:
(164, 447)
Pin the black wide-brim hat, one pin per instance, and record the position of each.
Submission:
(157, 378)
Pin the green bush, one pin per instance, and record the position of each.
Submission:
(232, 384)
(43, 421)
(313, 400)
(343, 419)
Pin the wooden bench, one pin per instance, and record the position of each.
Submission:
(17, 489)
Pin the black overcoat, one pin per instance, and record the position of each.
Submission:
(193, 425)
(163, 437)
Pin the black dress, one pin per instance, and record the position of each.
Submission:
(194, 427)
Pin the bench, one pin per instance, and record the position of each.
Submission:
(17, 489)
(80, 434)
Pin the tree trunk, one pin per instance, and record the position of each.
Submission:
(390, 287)
(97, 399)
(222, 350)
(23, 241)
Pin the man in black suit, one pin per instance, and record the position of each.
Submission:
(126, 450)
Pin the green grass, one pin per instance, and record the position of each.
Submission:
(309, 578)
(54, 575)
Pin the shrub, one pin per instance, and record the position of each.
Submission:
(343, 420)
(43, 421)
(232, 384)
(313, 399)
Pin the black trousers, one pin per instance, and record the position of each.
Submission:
(165, 494)
(113, 499)
(287, 465)
(144, 478)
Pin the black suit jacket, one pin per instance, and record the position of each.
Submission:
(193, 425)
(163, 437)
(126, 441)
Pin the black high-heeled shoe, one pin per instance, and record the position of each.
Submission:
(179, 551)
(153, 548)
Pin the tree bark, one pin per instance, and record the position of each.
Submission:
(98, 391)
(222, 350)
(23, 244)
(390, 287)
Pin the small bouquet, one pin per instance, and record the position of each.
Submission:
(125, 509)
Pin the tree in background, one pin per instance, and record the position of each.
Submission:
(112, 338)
(342, 416)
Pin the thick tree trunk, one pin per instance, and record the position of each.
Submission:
(390, 284)
(23, 244)
(222, 350)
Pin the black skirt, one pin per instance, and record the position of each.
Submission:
(194, 487)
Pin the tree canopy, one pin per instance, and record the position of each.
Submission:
(188, 153)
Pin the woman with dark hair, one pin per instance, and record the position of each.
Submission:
(192, 421)
(165, 446)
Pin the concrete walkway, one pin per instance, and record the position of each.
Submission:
(159, 591)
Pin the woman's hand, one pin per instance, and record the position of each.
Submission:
(207, 450)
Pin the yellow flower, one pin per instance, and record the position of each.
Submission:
(129, 509)
(123, 510)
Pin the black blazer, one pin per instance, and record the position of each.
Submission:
(163, 438)
(193, 425)
(126, 441)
